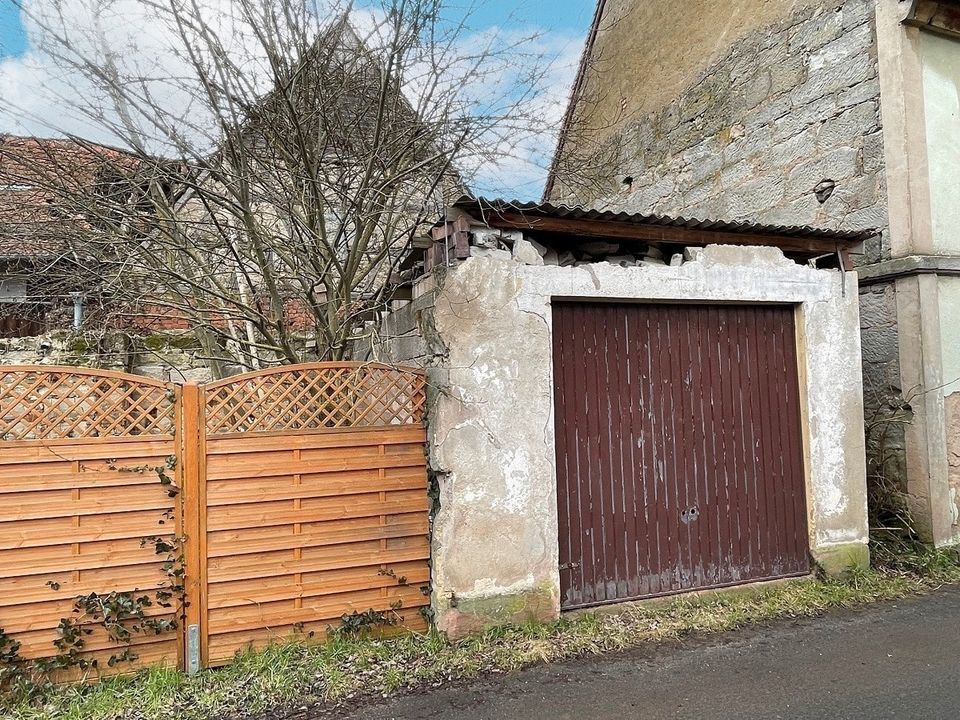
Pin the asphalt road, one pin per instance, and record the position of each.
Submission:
(897, 660)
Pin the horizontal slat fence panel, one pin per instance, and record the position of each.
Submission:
(314, 503)
(299, 537)
(304, 499)
(78, 494)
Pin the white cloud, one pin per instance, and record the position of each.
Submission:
(520, 169)
(46, 91)
(40, 94)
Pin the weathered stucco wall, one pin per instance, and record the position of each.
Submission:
(789, 98)
(495, 545)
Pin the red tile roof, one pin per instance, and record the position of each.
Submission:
(43, 183)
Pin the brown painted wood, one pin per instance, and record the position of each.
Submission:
(679, 463)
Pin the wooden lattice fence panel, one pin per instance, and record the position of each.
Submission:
(38, 403)
(314, 397)
(314, 497)
(77, 495)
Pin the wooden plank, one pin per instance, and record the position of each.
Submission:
(330, 582)
(314, 510)
(35, 588)
(87, 528)
(326, 438)
(111, 553)
(282, 537)
(46, 477)
(126, 449)
(247, 490)
(332, 557)
(88, 501)
(39, 643)
(162, 654)
(272, 464)
(254, 616)
(47, 615)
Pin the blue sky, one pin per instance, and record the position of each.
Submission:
(12, 40)
(564, 15)
(28, 105)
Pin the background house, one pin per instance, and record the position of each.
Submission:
(278, 245)
(803, 112)
(55, 304)
(42, 276)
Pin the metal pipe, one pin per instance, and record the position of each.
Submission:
(77, 309)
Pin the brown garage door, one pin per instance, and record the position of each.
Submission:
(679, 461)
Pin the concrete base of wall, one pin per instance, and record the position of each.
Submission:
(746, 591)
(839, 560)
(458, 617)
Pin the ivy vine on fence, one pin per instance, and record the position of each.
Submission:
(123, 615)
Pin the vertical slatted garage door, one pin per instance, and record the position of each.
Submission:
(679, 460)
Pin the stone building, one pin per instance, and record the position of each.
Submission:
(841, 115)
(625, 407)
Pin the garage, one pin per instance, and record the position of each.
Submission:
(632, 406)
(679, 448)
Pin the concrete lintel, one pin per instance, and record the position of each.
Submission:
(942, 18)
(907, 266)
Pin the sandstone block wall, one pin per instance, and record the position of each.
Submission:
(786, 107)
(885, 410)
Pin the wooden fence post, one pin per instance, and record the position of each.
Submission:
(191, 457)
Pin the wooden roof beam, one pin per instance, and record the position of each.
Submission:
(671, 234)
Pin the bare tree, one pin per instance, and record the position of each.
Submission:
(318, 140)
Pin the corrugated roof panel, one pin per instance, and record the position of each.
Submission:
(486, 205)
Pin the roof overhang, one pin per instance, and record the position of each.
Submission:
(575, 91)
(575, 222)
(939, 16)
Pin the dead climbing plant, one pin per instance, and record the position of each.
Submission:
(363, 624)
(889, 510)
(123, 615)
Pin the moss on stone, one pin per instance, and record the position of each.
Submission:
(155, 342)
(165, 341)
(465, 615)
(78, 344)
